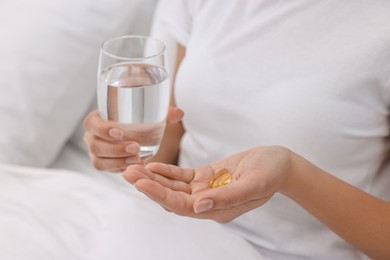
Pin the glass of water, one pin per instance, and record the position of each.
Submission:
(133, 89)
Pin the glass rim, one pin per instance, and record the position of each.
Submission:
(103, 50)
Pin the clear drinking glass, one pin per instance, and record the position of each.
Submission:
(133, 89)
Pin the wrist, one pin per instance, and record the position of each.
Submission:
(294, 179)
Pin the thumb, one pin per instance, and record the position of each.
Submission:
(223, 197)
(175, 114)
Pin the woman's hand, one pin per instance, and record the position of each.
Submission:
(257, 174)
(109, 147)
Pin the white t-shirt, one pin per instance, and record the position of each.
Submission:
(313, 76)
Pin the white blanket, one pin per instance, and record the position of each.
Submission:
(57, 214)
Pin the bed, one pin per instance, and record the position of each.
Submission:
(53, 203)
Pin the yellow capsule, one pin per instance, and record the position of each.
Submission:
(221, 178)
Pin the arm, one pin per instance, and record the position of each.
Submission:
(356, 216)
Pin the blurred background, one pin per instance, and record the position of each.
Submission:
(49, 54)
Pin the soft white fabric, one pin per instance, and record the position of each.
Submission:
(48, 61)
(313, 76)
(57, 214)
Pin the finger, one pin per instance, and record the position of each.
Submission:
(102, 148)
(132, 174)
(175, 115)
(106, 130)
(234, 194)
(113, 164)
(172, 172)
(227, 215)
(182, 203)
(175, 201)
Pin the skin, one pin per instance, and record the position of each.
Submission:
(258, 173)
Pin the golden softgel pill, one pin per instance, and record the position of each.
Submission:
(221, 178)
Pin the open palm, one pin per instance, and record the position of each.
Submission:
(257, 174)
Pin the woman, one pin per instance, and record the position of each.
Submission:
(293, 99)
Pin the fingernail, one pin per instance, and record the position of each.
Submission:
(132, 148)
(132, 160)
(203, 205)
(115, 133)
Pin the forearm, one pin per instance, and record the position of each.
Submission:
(356, 216)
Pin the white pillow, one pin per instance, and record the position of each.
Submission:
(48, 60)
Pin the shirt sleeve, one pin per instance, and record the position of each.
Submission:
(172, 24)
